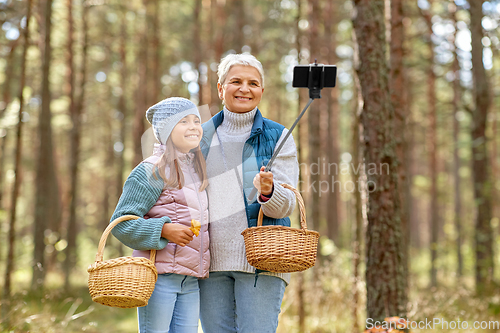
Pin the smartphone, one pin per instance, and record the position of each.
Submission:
(314, 76)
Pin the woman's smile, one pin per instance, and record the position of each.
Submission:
(242, 90)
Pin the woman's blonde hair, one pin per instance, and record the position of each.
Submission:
(169, 159)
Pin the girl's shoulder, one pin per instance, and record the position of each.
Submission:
(145, 173)
(152, 159)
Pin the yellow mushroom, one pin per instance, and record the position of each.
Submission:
(195, 227)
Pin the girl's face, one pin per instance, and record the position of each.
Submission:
(242, 89)
(186, 135)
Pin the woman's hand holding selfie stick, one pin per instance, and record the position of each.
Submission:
(315, 77)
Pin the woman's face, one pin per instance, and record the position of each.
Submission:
(242, 90)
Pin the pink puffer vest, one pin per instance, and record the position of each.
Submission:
(182, 206)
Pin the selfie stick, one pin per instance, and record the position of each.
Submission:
(315, 82)
(270, 163)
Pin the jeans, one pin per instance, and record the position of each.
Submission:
(235, 302)
(174, 306)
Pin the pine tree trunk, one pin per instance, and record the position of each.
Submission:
(3, 107)
(399, 102)
(122, 105)
(142, 93)
(76, 110)
(333, 110)
(3, 151)
(46, 193)
(301, 312)
(414, 221)
(357, 158)
(456, 159)
(219, 21)
(238, 8)
(313, 118)
(480, 158)
(109, 154)
(384, 269)
(6, 95)
(434, 210)
(198, 48)
(155, 96)
(495, 163)
(70, 234)
(9, 269)
(432, 148)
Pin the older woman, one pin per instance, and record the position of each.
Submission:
(238, 142)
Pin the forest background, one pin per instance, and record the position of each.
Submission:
(415, 113)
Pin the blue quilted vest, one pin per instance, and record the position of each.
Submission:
(257, 152)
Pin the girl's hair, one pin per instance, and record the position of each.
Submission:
(176, 178)
(238, 59)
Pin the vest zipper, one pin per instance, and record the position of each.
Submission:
(202, 212)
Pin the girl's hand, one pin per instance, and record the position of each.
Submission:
(263, 182)
(177, 233)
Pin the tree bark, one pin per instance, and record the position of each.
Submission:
(122, 103)
(142, 93)
(357, 158)
(333, 110)
(414, 221)
(155, 43)
(46, 193)
(219, 21)
(401, 113)
(495, 163)
(6, 95)
(480, 159)
(70, 77)
(108, 180)
(198, 48)
(313, 118)
(384, 269)
(3, 151)
(239, 14)
(9, 269)
(301, 310)
(456, 159)
(6, 101)
(432, 148)
(123, 109)
(75, 111)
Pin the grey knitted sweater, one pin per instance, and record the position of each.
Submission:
(225, 191)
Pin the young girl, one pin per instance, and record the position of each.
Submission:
(168, 191)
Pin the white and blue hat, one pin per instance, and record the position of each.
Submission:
(164, 115)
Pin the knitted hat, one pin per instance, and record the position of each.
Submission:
(164, 115)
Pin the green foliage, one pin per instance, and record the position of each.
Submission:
(57, 311)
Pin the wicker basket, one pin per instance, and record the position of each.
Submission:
(281, 249)
(125, 282)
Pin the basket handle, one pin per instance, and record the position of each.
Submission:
(302, 208)
(104, 237)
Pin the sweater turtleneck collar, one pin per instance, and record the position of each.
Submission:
(238, 122)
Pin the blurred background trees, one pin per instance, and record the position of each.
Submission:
(75, 83)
